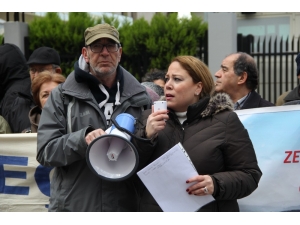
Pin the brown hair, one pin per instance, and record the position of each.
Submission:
(198, 71)
(41, 78)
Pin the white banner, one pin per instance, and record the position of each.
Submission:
(24, 183)
(274, 131)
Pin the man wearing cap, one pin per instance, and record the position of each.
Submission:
(79, 111)
(293, 97)
(44, 58)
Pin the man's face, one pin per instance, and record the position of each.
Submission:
(160, 83)
(34, 69)
(105, 62)
(227, 80)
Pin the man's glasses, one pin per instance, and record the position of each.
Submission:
(97, 47)
(34, 70)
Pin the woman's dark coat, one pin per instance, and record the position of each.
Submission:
(218, 145)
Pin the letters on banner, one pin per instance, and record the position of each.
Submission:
(274, 132)
(24, 183)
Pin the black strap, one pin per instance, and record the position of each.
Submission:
(127, 131)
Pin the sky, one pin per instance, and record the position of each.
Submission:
(146, 6)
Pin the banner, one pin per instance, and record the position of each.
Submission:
(24, 183)
(275, 133)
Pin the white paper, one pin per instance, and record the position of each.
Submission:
(165, 178)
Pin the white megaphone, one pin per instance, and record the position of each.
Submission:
(112, 156)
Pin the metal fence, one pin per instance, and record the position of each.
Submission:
(275, 60)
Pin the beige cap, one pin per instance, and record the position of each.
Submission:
(104, 30)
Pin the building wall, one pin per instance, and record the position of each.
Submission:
(285, 23)
(28, 16)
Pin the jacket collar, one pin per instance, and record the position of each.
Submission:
(208, 106)
(218, 102)
(252, 101)
(129, 85)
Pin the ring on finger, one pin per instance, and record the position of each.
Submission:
(205, 190)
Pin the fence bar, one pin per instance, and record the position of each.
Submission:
(274, 79)
(280, 67)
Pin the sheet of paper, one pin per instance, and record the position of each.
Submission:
(166, 178)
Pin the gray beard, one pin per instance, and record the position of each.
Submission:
(95, 71)
(100, 74)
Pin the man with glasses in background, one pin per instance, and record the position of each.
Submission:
(44, 58)
(79, 111)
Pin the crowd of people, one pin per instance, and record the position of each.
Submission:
(68, 112)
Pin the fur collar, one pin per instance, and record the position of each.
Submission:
(218, 102)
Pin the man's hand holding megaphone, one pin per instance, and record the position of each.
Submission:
(93, 134)
(110, 153)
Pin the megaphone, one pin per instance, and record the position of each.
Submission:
(112, 156)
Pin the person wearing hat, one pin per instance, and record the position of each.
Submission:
(293, 97)
(44, 58)
(79, 111)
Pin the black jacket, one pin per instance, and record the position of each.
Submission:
(15, 85)
(256, 101)
(218, 145)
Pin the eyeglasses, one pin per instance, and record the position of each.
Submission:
(34, 70)
(98, 47)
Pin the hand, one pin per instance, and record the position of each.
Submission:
(156, 121)
(198, 188)
(94, 134)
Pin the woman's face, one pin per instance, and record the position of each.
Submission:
(180, 90)
(45, 91)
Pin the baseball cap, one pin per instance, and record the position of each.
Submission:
(298, 64)
(103, 30)
(44, 55)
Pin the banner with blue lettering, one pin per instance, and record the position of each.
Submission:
(275, 133)
(24, 183)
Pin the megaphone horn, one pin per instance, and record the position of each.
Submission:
(112, 156)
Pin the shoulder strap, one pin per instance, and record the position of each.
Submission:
(67, 107)
(69, 110)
